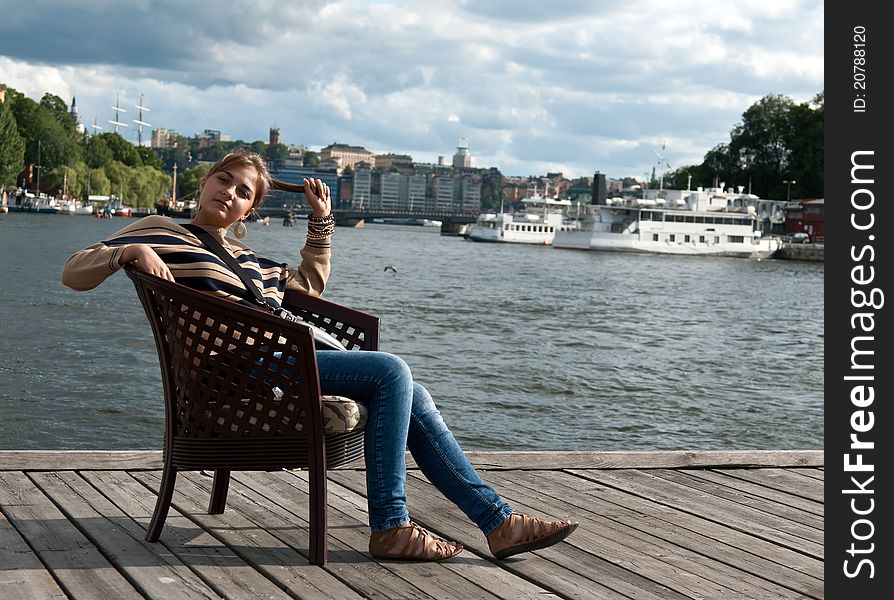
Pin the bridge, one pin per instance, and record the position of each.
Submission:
(350, 217)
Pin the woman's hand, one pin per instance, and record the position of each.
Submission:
(317, 195)
(145, 259)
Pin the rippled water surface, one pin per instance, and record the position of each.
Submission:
(523, 347)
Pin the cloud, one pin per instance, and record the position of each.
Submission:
(573, 85)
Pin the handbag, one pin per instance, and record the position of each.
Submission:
(321, 337)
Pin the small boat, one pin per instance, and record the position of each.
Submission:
(118, 208)
(539, 222)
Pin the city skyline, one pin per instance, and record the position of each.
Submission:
(574, 87)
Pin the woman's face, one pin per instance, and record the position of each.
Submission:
(227, 196)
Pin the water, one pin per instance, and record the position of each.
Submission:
(523, 347)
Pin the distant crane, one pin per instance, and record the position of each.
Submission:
(115, 120)
(662, 165)
(140, 122)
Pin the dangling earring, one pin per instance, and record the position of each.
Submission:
(240, 230)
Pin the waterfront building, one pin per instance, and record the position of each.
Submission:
(291, 173)
(470, 199)
(807, 216)
(210, 137)
(360, 196)
(274, 136)
(399, 162)
(161, 138)
(389, 189)
(442, 193)
(346, 156)
(415, 191)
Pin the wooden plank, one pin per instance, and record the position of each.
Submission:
(782, 480)
(254, 544)
(156, 574)
(779, 508)
(568, 574)
(466, 575)
(514, 460)
(81, 460)
(22, 575)
(813, 473)
(52, 460)
(758, 557)
(719, 477)
(719, 510)
(214, 562)
(680, 565)
(79, 568)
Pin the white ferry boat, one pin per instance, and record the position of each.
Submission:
(541, 219)
(708, 222)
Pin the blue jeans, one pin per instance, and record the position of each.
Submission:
(403, 415)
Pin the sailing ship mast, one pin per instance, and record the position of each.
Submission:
(140, 122)
(115, 121)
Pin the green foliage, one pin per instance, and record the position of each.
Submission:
(58, 110)
(311, 159)
(149, 158)
(12, 146)
(147, 185)
(137, 186)
(98, 183)
(277, 152)
(188, 182)
(97, 152)
(122, 150)
(48, 130)
(259, 147)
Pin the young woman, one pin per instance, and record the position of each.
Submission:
(401, 412)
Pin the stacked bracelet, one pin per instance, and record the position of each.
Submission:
(319, 228)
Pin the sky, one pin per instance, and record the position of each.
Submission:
(571, 86)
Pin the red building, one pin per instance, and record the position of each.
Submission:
(807, 216)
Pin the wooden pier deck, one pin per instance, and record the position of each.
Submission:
(654, 525)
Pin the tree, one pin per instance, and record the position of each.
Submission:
(122, 150)
(58, 109)
(97, 183)
(97, 152)
(149, 158)
(188, 181)
(259, 147)
(805, 141)
(48, 141)
(12, 146)
(311, 159)
(277, 152)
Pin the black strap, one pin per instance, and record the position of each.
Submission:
(212, 244)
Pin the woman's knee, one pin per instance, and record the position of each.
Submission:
(393, 367)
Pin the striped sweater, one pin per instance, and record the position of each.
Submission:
(197, 267)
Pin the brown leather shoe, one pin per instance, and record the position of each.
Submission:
(521, 533)
(411, 542)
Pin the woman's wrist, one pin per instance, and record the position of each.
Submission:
(127, 255)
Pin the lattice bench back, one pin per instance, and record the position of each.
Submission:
(221, 363)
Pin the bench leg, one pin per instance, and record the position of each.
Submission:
(219, 489)
(162, 504)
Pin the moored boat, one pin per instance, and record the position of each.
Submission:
(706, 222)
(539, 222)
